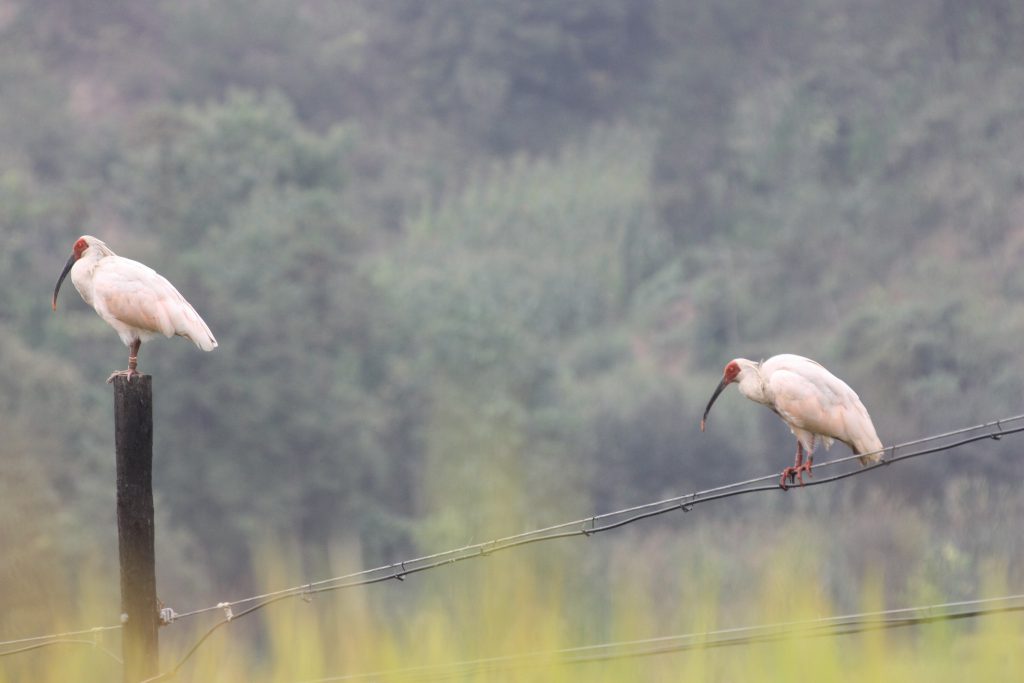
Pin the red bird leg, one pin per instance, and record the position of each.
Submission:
(793, 472)
(133, 363)
(805, 466)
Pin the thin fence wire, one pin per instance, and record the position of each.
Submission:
(66, 634)
(589, 526)
(729, 637)
(41, 642)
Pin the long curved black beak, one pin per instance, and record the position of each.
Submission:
(721, 385)
(60, 280)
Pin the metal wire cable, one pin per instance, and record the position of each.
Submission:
(65, 634)
(56, 636)
(64, 641)
(588, 526)
(763, 633)
(997, 429)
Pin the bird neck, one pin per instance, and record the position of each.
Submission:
(752, 385)
(82, 271)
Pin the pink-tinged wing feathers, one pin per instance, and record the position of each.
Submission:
(137, 296)
(810, 398)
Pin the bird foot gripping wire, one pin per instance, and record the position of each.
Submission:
(795, 474)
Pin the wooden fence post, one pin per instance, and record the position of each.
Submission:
(133, 439)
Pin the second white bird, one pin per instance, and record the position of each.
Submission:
(810, 400)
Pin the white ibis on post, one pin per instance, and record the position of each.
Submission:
(135, 300)
(810, 400)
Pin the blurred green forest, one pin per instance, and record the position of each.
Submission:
(475, 267)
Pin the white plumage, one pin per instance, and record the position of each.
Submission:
(810, 400)
(134, 299)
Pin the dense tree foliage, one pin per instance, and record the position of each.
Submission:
(477, 265)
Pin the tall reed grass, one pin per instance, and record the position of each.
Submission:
(504, 607)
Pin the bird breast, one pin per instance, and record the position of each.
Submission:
(82, 278)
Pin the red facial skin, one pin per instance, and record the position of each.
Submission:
(730, 372)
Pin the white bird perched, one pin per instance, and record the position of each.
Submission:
(810, 400)
(133, 298)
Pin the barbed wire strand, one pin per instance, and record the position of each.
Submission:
(752, 640)
(669, 504)
(399, 571)
(824, 626)
(63, 641)
(685, 502)
(54, 636)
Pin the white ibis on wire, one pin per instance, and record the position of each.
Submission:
(134, 299)
(810, 400)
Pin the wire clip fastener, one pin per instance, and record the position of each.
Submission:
(167, 616)
(226, 606)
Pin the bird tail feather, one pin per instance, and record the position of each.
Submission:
(869, 449)
(188, 324)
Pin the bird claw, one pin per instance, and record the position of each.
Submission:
(795, 474)
(129, 373)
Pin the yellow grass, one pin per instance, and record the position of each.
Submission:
(520, 603)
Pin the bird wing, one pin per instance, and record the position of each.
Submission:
(136, 295)
(811, 402)
(809, 397)
(789, 361)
